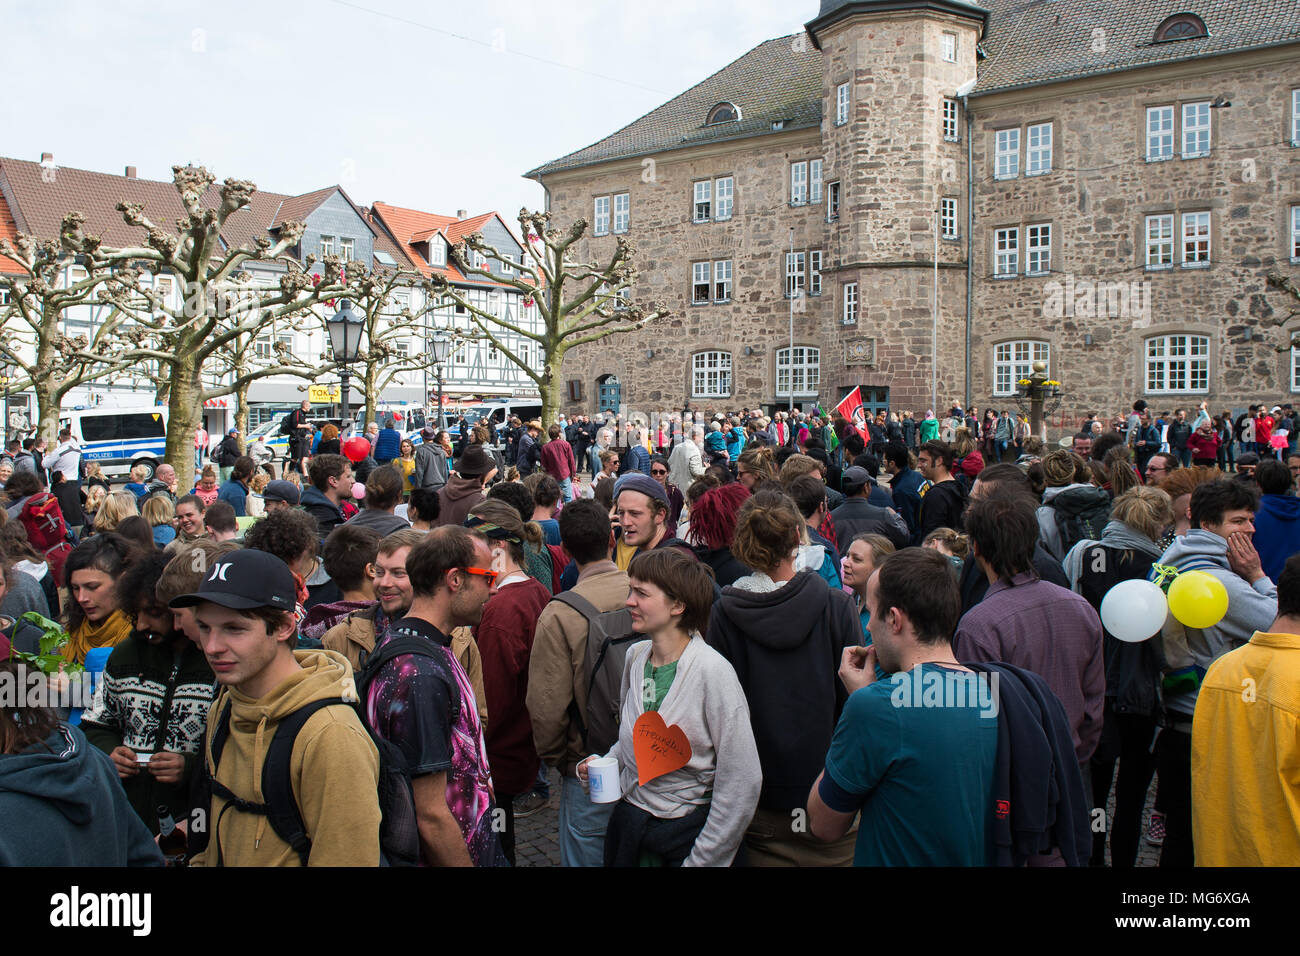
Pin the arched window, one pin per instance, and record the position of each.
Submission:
(1013, 361)
(1181, 26)
(711, 375)
(802, 369)
(1178, 363)
(723, 113)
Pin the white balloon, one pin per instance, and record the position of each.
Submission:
(1134, 611)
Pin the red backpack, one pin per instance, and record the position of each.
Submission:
(46, 530)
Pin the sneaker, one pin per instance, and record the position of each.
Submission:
(1156, 828)
(532, 802)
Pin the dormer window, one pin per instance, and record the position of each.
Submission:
(1181, 26)
(437, 251)
(723, 113)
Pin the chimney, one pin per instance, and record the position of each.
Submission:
(462, 213)
(47, 158)
(130, 172)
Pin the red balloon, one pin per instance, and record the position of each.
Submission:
(356, 448)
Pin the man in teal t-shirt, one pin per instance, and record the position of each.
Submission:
(913, 752)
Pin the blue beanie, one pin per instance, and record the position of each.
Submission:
(636, 481)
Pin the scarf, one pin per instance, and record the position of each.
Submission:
(107, 633)
(1116, 535)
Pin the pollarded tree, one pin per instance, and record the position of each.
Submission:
(218, 304)
(577, 302)
(33, 336)
(1277, 280)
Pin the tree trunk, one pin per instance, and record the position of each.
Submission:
(552, 399)
(370, 385)
(184, 415)
(48, 403)
(241, 412)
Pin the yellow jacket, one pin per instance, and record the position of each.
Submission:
(1246, 756)
(334, 768)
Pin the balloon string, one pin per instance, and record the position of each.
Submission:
(1166, 574)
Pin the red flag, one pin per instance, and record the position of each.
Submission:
(850, 407)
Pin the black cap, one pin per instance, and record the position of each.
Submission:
(281, 490)
(854, 478)
(242, 580)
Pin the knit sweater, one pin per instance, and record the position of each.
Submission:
(707, 704)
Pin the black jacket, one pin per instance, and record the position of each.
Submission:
(785, 646)
(858, 516)
(228, 452)
(1041, 805)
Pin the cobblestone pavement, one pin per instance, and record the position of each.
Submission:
(537, 840)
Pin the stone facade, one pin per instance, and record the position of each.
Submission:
(894, 164)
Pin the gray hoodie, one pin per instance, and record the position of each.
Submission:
(1251, 608)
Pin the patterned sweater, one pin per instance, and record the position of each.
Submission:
(152, 698)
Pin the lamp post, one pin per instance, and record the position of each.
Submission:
(439, 347)
(1037, 388)
(345, 328)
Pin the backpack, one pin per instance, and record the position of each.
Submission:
(399, 835)
(42, 518)
(609, 635)
(1081, 514)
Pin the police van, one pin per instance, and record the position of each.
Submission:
(118, 439)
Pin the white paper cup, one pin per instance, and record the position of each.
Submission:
(602, 777)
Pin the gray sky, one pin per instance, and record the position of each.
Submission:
(300, 94)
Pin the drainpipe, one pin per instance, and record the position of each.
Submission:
(970, 233)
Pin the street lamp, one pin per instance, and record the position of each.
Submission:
(345, 328)
(439, 347)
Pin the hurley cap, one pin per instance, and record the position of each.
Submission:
(242, 580)
(854, 478)
(281, 490)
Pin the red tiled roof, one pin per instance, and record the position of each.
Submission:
(412, 226)
(8, 230)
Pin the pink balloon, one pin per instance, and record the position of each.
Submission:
(358, 491)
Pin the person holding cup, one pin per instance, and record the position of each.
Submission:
(692, 801)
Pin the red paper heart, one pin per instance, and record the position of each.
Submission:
(659, 749)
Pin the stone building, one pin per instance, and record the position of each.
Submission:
(922, 198)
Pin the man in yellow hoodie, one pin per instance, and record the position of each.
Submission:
(1246, 745)
(245, 613)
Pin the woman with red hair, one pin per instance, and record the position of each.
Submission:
(713, 527)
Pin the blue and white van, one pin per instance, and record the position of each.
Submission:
(117, 439)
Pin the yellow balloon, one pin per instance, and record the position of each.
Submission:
(1198, 599)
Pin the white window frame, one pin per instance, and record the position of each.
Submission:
(1006, 252)
(722, 271)
(843, 92)
(1295, 233)
(437, 251)
(814, 180)
(849, 315)
(1160, 134)
(347, 249)
(622, 212)
(1007, 148)
(948, 47)
(802, 368)
(799, 183)
(1038, 249)
(702, 201)
(814, 272)
(951, 132)
(724, 192)
(262, 348)
(833, 201)
(701, 278)
(711, 374)
(1295, 118)
(795, 273)
(948, 217)
(600, 216)
(507, 264)
(1160, 241)
(1196, 130)
(326, 246)
(1014, 360)
(288, 339)
(1179, 359)
(1195, 239)
(1295, 369)
(1038, 149)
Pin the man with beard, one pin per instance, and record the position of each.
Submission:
(152, 702)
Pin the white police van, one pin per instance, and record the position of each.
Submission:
(117, 439)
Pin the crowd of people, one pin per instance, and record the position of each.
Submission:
(738, 640)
